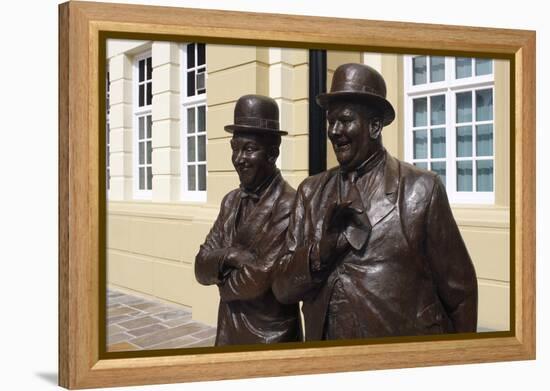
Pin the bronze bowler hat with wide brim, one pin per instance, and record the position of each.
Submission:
(256, 114)
(362, 83)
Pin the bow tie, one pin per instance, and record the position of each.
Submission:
(251, 196)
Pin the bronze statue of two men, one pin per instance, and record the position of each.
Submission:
(370, 247)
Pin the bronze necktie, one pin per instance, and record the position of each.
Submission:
(358, 230)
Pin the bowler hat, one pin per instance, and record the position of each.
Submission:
(256, 114)
(359, 82)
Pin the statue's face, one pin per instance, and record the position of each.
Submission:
(349, 130)
(251, 159)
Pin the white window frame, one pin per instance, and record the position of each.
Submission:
(186, 103)
(138, 112)
(449, 87)
(107, 130)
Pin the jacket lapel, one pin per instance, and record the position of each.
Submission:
(383, 201)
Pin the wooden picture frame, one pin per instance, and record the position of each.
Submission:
(82, 25)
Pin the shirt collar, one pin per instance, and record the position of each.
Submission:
(260, 189)
(366, 166)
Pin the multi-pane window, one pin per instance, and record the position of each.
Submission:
(450, 123)
(143, 173)
(194, 122)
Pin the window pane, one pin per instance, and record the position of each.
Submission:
(141, 154)
(142, 178)
(141, 65)
(191, 83)
(149, 69)
(484, 175)
(149, 152)
(423, 165)
(440, 168)
(141, 127)
(484, 105)
(201, 53)
(202, 118)
(484, 66)
(201, 82)
(464, 175)
(149, 125)
(191, 178)
(191, 55)
(464, 141)
(201, 140)
(149, 93)
(463, 67)
(420, 144)
(149, 178)
(484, 140)
(419, 70)
(420, 108)
(202, 177)
(438, 143)
(141, 99)
(191, 120)
(438, 110)
(191, 149)
(464, 107)
(437, 69)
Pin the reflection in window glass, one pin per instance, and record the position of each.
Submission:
(440, 169)
(463, 67)
(423, 165)
(420, 144)
(191, 120)
(484, 140)
(484, 66)
(437, 69)
(484, 105)
(464, 179)
(484, 174)
(419, 70)
(464, 107)
(202, 177)
(191, 177)
(437, 104)
(464, 141)
(438, 143)
(420, 108)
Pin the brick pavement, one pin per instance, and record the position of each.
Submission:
(137, 323)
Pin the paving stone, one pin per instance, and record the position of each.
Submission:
(118, 319)
(138, 322)
(147, 330)
(121, 347)
(147, 306)
(123, 310)
(166, 335)
(181, 342)
(203, 343)
(120, 337)
(178, 321)
(170, 315)
(207, 333)
(114, 329)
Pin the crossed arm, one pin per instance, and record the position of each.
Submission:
(241, 273)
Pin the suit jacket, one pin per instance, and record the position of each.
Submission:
(248, 311)
(414, 275)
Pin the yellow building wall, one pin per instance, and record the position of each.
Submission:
(151, 245)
